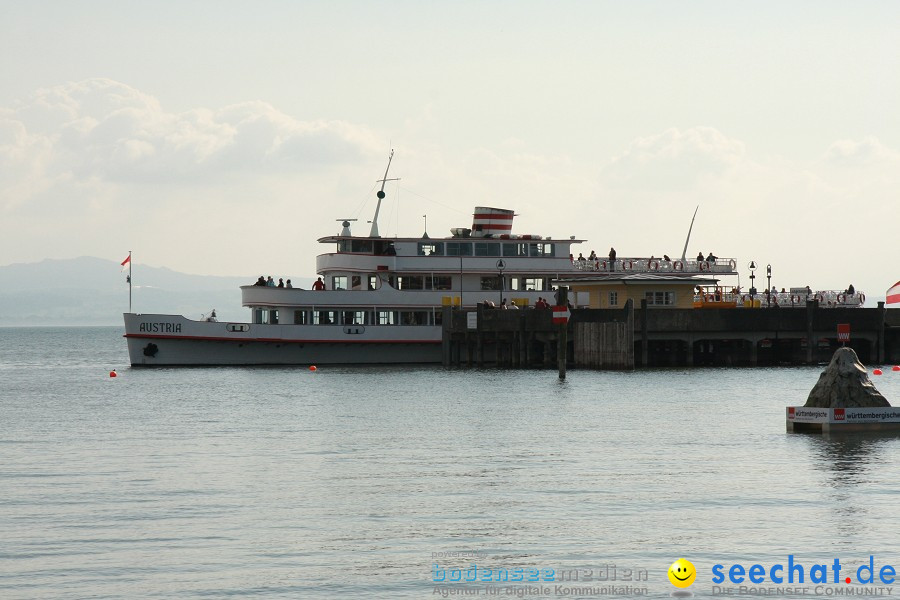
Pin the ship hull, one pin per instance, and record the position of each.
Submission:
(172, 340)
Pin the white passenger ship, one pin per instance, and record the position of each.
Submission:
(384, 297)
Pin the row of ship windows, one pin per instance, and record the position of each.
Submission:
(273, 316)
(439, 282)
(453, 248)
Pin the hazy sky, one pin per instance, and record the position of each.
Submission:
(226, 137)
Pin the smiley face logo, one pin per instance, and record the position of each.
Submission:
(682, 573)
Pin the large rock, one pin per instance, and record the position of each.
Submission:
(845, 384)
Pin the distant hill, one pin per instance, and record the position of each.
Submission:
(93, 291)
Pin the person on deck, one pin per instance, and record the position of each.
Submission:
(318, 285)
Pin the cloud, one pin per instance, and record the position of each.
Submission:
(866, 152)
(101, 131)
(674, 159)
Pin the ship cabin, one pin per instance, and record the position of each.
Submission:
(371, 280)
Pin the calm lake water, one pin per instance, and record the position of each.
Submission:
(354, 482)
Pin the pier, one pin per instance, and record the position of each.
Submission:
(637, 336)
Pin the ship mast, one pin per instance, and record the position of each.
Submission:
(684, 252)
(374, 231)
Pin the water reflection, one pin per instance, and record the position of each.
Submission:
(851, 463)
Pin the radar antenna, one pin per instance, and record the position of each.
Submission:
(684, 252)
(345, 232)
(374, 231)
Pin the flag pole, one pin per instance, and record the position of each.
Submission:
(129, 281)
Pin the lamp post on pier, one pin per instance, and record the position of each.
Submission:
(752, 282)
(768, 286)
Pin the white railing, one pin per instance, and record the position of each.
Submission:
(826, 298)
(655, 265)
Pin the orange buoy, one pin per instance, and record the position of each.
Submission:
(312, 367)
(895, 368)
(876, 372)
(113, 373)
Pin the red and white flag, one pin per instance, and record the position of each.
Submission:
(893, 294)
(126, 263)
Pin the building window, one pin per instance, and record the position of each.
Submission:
(660, 298)
(614, 298)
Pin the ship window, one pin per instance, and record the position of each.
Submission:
(459, 249)
(531, 284)
(614, 298)
(540, 249)
(325, 317)
(410, 282)
(374, 282)
(344, 246)
(492, 282)
(413, 317)
(386, 317)
(439, 282)
(660, 298)
(339, 282)
(431, 249)
(273, 316)
(261, 316)
(301, 317)
(384, 248)
(361, 246)
(515, 249)
(353, 317)
(487, 249)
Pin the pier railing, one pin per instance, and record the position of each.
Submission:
(655, 265)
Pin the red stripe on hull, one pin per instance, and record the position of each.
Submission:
(273, 340)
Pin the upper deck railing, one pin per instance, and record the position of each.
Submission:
(712, 296)
(655, 265)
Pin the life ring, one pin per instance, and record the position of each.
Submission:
(653, 265)
(862, 298)
(820, 297)
(704, 266)
(678, 266)
(602, 265)
(627, 265)
(841, 298)
(795, 299)
(732, 264)
(596, 265)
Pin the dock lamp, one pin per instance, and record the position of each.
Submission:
(752, 282)
(768, 285)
